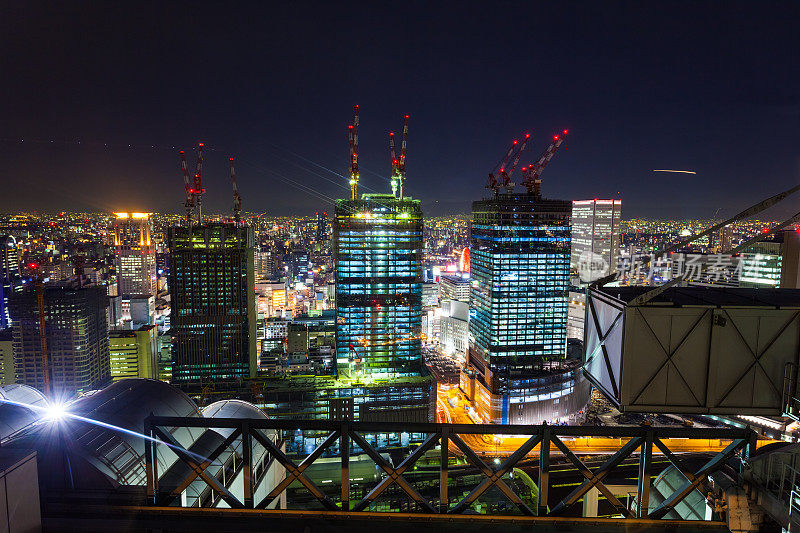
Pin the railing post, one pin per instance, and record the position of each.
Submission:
(344, 452)
(645, 462)
(247, 464)
(444, 500)
(544, 469)
(150, 462)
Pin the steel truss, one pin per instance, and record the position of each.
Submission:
(541, 441)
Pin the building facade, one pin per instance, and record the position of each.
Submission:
(454, 328)
(134, 354)
(212, 292)
(378, 257)
(520, 261)
(454, 287)
(595, 238)
(9, 275)
(135, 254)
(76, 337)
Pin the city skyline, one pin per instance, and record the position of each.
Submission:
(639, 87)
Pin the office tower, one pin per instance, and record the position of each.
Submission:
(378, 256)
(520, 257)
(321, 233)
(135, 259)
(76, 336)
(213, 316)
(454, 287)
(454, 327)
(595, 238)
(9, 275)
(773, 261)
(133, 354)
(7, 376)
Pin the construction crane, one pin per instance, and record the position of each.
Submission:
(198, 190)
(401, 163)
(505, 173)
(353, 138)
(237, 200)
(189, 203)
(39, 288)
(494, 183)
(533, 173)
(750, 211)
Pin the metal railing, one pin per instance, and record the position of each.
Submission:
(341, 439)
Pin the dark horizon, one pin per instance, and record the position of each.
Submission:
(697, 86)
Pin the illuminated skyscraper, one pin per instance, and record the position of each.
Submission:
(518, 332)
(378, 256)
(77, 338)
(595, 238)
(135, 254)
(9, 275)
(212, 290)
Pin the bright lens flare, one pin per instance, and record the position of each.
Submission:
(54, 412)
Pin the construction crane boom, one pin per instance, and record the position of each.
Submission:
(506, 173)
(401, 166)
(353, 136)
(494, 182)
(189, 203)
(198, 191)
(750, 211)
(237, 200)
(39, 288)
(533, 173)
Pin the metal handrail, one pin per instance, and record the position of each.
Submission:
(350, 435)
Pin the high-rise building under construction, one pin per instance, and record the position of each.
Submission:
(378, 256)
(517, 372)
(212, 290)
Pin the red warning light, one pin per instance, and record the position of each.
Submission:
(565, 132)
(527, 135)
(555, 137)
(200, 144)
(33, 266)
(515, 142)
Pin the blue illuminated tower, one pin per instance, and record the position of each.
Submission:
(520, 260)
(378, 256)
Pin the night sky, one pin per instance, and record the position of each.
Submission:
(711, 87)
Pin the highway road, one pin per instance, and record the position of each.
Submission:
(503, 445)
